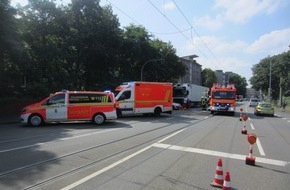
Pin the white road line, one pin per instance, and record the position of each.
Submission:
(79, 182)
(169, 136)
(221, 154)
(261, 150)
(252, 126)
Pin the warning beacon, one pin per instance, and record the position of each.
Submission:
(250, 160)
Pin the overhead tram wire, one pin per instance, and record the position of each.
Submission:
(178, 29)
(196, 33)
(124, 12)
(153, 32)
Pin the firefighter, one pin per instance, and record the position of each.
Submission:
(203, 103)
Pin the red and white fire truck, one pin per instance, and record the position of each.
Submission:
(223, 98)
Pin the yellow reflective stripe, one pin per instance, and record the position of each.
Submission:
(167, 94)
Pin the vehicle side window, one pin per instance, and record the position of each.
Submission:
(89, 98)
(57, 99)
(125, 95)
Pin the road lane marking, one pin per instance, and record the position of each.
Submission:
(260, 148)
(169, 136)
(83, 180)
(252, 126)
(259, 145)
(220, 154)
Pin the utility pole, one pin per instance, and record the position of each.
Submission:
(270, 79)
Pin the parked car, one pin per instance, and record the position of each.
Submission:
(264, 108)
(253, 102)
(176, 106)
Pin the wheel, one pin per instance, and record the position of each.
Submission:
(212, 112)
(119, 113)
(157, 111)
(35, 120)
(99, 118)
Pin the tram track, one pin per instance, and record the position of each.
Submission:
(95, 161)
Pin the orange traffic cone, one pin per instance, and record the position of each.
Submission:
(227, 182)
(218, 178)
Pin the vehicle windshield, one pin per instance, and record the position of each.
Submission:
(223, 95)
(266, 105)
(179, 92)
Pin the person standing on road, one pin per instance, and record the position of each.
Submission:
(283, 106)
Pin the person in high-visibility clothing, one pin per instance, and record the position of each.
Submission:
(203, 102)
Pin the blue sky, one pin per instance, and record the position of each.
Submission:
(225, 34)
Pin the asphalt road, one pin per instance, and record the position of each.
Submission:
(178, 151)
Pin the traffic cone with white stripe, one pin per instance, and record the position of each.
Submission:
(218, 178)
(227, 182)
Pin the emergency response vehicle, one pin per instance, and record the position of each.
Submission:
(144, 98)
(71, 106)
(223, 98)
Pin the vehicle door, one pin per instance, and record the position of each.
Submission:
(56, 108)
(126, 102)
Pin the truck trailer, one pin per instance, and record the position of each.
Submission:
(144, 98)
(192, 92)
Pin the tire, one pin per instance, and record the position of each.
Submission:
(35, 120)
(157, 111)
(99, 118)
(211, 112)
(119, 113)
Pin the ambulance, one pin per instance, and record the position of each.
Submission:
(144, 98)
(67, 106)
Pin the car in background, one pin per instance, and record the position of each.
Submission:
(176, 106)
(253, 102)
(264, 108)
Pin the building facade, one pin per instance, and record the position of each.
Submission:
(193, 71)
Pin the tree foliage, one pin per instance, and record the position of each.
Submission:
(240, 84)
(280, 76)
(208, 77)
(75, 47)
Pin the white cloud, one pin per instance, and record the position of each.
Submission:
(216, 45)
(210, 23)
(238, 11)
(169, 6)
(274, 42)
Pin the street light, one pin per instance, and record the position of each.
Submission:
(152, 60)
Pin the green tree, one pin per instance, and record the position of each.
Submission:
(208, 77)
(157, 58)
(280, 65)
(240, 83)
(10, 50)
(96, 38)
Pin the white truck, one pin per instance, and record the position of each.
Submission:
(192, 92)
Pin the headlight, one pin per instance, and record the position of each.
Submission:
(24, 110)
